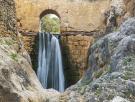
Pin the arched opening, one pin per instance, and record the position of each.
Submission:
(49, 11)
(50, 67)
(50, 21)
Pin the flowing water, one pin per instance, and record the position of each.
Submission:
(50, 67)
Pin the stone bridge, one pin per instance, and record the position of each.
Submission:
(75, 15)
(81, 22)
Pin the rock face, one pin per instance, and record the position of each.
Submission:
(7, 18)
(18, 81)
(111, 69)
(110, 77)
(119, 99)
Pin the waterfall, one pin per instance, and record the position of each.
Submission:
(50, 67)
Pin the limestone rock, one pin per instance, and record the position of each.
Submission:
(111, 69)
(18, 81)
(119, 5)
(7, 18)
(119, 99)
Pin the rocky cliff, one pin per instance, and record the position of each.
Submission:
(109, 78)
(111, 73)
(7, 18)
(18, 81)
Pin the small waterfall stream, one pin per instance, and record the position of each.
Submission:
(50, 67)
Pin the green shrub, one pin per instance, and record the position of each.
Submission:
(98, 73)
(50, 24)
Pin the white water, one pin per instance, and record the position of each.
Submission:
(50, 67)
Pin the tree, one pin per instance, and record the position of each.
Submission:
(50, 24)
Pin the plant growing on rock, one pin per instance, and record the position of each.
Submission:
(14, 56)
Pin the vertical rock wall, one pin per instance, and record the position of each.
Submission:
(7, 18)
(18, 82)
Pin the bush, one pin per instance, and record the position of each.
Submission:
(50, 24)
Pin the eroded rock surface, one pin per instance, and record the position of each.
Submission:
(111, 69)
(110, 77)
(18, 81)
(7, 18)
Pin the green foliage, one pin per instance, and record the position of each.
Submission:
(110, 96)
(127, 60)
(127, 75)
(128, 66)
(98, 92)
(82, 90)
(14, 56)
(50, 24)
(98, 73)
(6, 41)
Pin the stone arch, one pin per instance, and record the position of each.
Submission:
(49, 11)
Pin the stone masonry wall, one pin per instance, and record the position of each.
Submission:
(7, 18)
(75, 15)
(75, 49)
(30, 44)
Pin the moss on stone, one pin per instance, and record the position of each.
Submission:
(7, 41)
(98, 73)
(82, 90)
(127, 60)
(98, 92)
(128, 65)
(14, 56)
